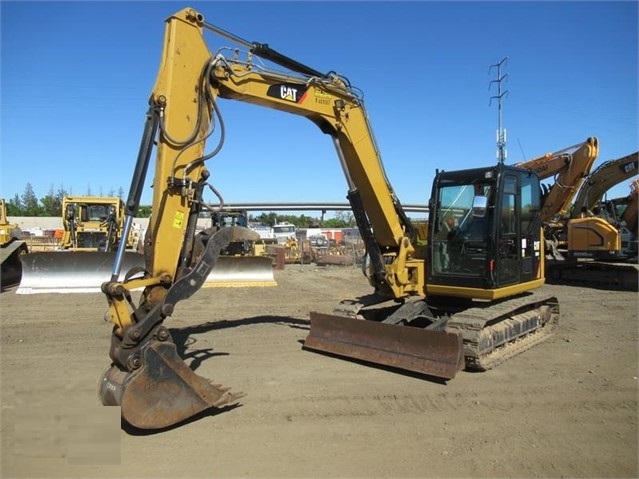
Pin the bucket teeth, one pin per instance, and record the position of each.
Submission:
(219, 387)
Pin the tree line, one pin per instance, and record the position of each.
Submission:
(342, 219)
(28, 204)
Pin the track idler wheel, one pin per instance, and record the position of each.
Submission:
(163, 391)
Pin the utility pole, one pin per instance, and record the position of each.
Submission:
(501, 132)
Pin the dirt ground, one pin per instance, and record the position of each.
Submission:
(566, 408)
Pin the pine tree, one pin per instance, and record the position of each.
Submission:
(30, 206)
(52, 203)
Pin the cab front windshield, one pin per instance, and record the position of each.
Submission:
(456, 224)
(98, 212)
(455, 208)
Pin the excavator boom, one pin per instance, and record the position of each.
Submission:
(570, 167)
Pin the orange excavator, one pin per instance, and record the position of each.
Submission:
(442, 300)
(596, 229)
(575, 235)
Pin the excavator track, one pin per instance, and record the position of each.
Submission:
(493, 333)
(598, 274)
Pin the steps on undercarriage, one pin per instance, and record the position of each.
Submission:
(493, 333)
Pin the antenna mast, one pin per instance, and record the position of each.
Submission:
(501, 132)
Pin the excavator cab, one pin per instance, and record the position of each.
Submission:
(485, 230)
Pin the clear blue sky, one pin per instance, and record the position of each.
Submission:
(76, 77)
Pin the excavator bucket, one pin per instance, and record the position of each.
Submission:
(432, 352)
(84, 271)
(163, 391)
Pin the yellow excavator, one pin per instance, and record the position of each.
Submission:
(442, 300)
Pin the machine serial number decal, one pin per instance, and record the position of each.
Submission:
(322, 98)
(178, 219)
(288, 92)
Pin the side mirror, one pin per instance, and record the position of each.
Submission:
(480, 206)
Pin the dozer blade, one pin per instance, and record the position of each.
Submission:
(11, 268)
(85, 271)
(71, 271)
(238, 271)
(436, 353)
(162, 392)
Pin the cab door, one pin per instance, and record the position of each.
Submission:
(518, 230)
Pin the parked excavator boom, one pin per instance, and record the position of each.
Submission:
(601, 180)
(569, 167)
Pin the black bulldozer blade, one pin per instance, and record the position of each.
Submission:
(163, 391)
(436, 353)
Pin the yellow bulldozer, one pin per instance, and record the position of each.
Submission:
(94, 223)
(92, 231)
(12, 247)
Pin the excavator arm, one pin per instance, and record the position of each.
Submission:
(147, 378)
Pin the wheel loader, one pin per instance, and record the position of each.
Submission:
(441, 300)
